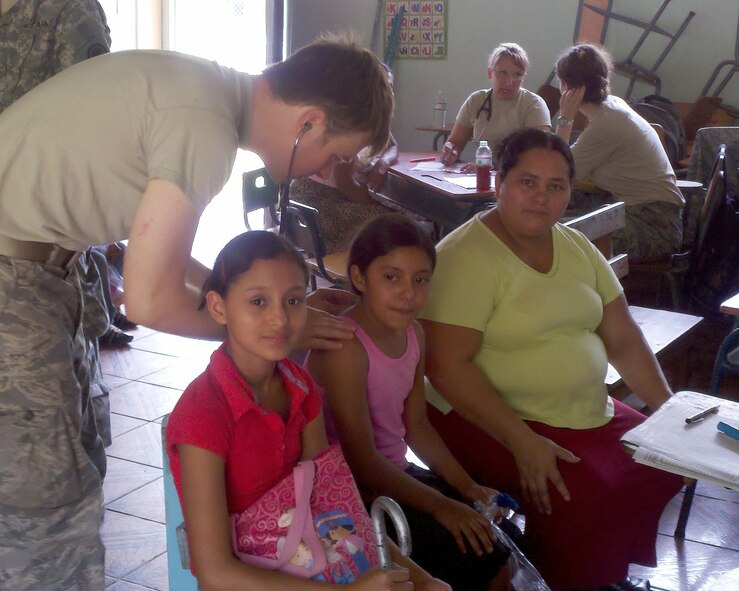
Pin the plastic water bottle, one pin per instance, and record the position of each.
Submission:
(484, 162)
(440, 110)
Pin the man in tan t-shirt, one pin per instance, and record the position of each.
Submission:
(134, 145)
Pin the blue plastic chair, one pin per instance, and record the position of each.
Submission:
(178, 558)
(727, 359)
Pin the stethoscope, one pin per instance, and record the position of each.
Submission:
(285, 193)
(486, 107)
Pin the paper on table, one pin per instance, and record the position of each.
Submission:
(429, 166)
(699, 450)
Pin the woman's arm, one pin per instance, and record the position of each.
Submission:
(461, 134)
(630, 354)
(450, 352)
(343, 374)
(569, 105)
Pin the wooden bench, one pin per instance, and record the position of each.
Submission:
(666, 333)
(598, 226)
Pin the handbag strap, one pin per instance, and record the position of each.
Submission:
(303, 473)
(301, 528)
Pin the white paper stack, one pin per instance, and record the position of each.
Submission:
(695, 450)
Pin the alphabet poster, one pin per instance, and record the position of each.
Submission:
(422, 30)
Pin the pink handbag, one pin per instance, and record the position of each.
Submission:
(311, 524)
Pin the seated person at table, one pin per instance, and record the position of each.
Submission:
(523, 317)
(622, 154)
(343, 198)
(373, 389)
(492, 114)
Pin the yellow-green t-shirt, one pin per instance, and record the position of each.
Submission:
(539, 348)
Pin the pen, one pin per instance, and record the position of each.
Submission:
(702, 415)
(427, 159)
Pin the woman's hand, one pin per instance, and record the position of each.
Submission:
(376, 579)
(537, 466)
(464, 523)
(468, 168)
(570, 101)
(449, 154)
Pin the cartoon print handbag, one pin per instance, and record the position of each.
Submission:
(311, 524)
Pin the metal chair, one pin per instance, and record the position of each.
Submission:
(673, 272)
(727, 359)
(299, 224)
(259, 191)
(178, 558)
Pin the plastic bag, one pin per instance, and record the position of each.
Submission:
(524, 576)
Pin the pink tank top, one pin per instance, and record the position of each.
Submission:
(389, 381)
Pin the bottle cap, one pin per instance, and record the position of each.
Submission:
(483, 143)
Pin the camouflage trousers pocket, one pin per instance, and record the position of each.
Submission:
(41, 458)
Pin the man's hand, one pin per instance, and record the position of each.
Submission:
(333, 301)
(324, 330)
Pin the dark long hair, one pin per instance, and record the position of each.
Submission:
(383, 234)
(510, 150)
(241, 253)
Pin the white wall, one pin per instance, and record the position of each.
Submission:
(544, 28)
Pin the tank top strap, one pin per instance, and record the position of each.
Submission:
(373, 351)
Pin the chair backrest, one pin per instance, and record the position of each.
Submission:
(714, 194)
(178, 557)
(259, 191)
(299, 224)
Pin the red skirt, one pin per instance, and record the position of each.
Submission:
(615, 507)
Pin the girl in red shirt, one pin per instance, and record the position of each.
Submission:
(242, 425)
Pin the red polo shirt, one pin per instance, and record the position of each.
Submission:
(217, 412)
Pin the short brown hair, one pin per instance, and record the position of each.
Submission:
(589, 66)
(513, 51)
(345, 80)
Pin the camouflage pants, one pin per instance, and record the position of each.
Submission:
(653, 232)
(51, 459)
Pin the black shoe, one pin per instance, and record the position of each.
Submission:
(115, 337)
(119, 320)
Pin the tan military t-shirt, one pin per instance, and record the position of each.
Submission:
(77, 151)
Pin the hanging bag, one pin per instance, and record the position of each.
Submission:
(312, 524)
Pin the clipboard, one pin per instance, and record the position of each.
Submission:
(665, 441)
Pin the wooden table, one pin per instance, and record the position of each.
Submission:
(662, 329)
(427, 193)
(731, 306)
(439, 132)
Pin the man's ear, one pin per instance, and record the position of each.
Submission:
(357, 278)
(216, 307)
(490, 73)
(313, 118)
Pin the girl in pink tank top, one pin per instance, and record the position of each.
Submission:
(374, 395)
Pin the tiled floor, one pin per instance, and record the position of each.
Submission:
(147, 379)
